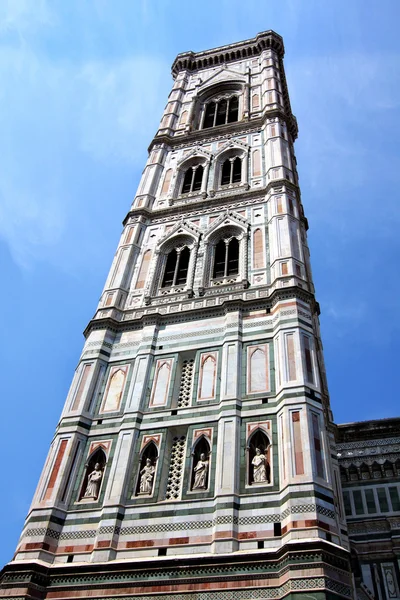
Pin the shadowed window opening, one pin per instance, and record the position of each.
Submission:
(176, 268)
(193, 179)
(231, 171)
(226, 261)
(221, 112)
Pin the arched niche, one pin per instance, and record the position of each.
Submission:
(200, 472)
(364, 470)
(258, 456)
(94, 474)
(147, 470)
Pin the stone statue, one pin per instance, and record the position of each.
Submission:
(260, 467)
(146, 477)
(93, 484)
(201, 471)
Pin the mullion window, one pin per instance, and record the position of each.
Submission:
(176, 268)
(221, 112)
(231, 171)
(193, 179)
(226, 258)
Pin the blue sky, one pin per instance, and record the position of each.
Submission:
(83, 87)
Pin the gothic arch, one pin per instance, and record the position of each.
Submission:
(183, 235)
(219, 88)
(195, 160)
(229, 152)
(258, 443)
(149, 452)
(225, 228)
(201, 447)
(97, 457)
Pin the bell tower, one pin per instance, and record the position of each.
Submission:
(194, 457)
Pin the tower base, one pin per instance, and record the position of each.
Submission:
(313, 571)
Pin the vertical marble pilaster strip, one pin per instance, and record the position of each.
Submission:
(119, 472)
(297, 444)
(139, 383)
(290, 357)
(55, 470)
(82, 384)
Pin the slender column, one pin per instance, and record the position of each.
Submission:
(189, 123)
(203, 114)
(245, 169)
(204, 184)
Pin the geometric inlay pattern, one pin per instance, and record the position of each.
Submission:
(186, 383)
(181, 525)
(270, 593)
(175, 473)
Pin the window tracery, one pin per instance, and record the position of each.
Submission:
(193, 179)
(175, 472)
(176, 267)
(221, 111)
(226, 258)
(231, 171)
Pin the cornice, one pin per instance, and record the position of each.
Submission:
(227, 130)
(158, 319)
(193, 61)
(211, 202)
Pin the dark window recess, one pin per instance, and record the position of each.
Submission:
(233, 112)
(237, 170)
(277, 529)
(209, 116)
(193, 179)
(221, 112)
(174, 412)
(394, 497)
(176, 268)
(233, 257)
(328, 537)
(260, 545)
(265, 400)
(231, 171)
(347, 503)
(358, 503)
(226, 261)
(99, 422)
(226, 173)
(162, 551)
(382, 498)
(70, 558)
(370, 499)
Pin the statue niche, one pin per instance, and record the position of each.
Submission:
(147, 470)
(93, 476)
(200, 463)
(259, 470)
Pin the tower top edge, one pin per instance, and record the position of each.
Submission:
(192, 61)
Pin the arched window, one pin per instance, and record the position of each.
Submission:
(226, 258)
(231, 171)
(176, 267)
(193, 179)
(220, 112)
